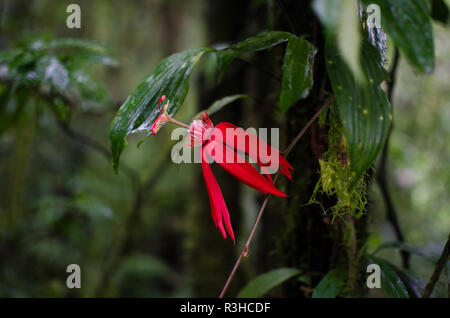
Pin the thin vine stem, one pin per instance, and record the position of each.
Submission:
(327, 103)
(244, 252)
(440, 265)
(381, 176)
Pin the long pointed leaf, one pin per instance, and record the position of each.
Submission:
(297, 72)
(265, 282)
(366, 113)
(391, 283)
(170, 78)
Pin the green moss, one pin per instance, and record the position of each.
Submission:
(336, 177)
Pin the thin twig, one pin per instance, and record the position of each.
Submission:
(351, 252)
(244, 251)
(327, 103)
(391, 212)
(393, 75)
(441, 263)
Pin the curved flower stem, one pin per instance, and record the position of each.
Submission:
(176, 122)
(288, 149)
(327, 103)
(244, 252)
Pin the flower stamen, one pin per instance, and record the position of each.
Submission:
(201, 130)
(165, 117)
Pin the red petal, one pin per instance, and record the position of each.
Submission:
(241, 169)
(219, 209)
(286, 172)
(253, 152)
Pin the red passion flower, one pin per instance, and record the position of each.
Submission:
(221, 144)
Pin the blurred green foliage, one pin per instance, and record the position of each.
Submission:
(59, 201)
(419, 153)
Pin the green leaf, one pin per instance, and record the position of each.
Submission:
(297, 65)
(80, 44)
(81, 53)
(259, 42)
(391, 283)
(349, 35)
(171, 78)
(52, 72)
(142, 266)
(341, 20)
(221, 103)
(364, 109)
(90, 91)
(265, 282)
(407, 248)
(51, 252)
(8, 55)
(297, 72)
(330, 285)
(409, 25)
(414, 284)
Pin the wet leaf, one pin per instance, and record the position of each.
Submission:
(52, 72)
(391, 283)
(79, 44)
(171, 78)
(297, 72)
(330, 285)
(365, 112)
(414, 284)
(297, 64)
(256, 43)
(405, 247)
(265, 282)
